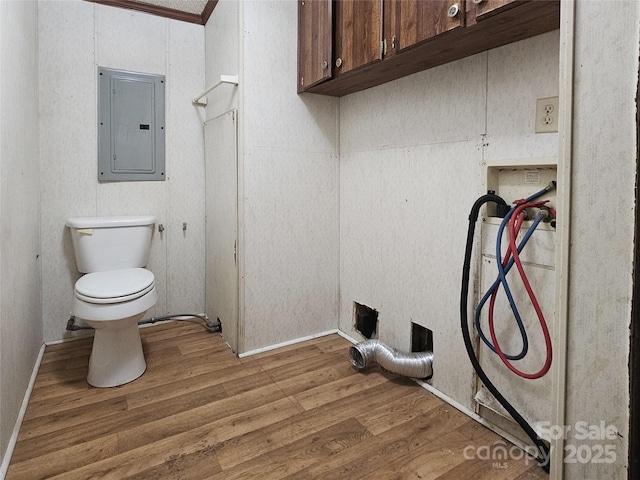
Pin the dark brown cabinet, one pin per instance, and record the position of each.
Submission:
(346, 46)
(420, 20)
(315, 42)
(358, 34)
(481, 9)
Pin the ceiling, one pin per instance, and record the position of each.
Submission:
(193, 11)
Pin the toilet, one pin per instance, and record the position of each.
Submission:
(115, 292)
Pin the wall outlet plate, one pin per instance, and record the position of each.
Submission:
(547, 115)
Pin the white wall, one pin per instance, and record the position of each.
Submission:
(20, 311)
(288, 170)
(222, 37)
(290, 186)
(411, 155)
(602, 226)
(75, 37)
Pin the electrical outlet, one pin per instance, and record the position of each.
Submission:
(547, 115)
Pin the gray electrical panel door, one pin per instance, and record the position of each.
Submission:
(130, 126)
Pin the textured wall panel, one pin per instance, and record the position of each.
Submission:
(68, 147)
(20, 308)
(222, 58)
(602, 226)
(402, 229)
(518, 74)
(127, 40)
(185, 284)
(290, 187)
(291, 240)
(442, 105)
(411, 156)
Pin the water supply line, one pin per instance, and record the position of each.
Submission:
(413, 365)
(543, 448)
(215, 326)
(514, 219)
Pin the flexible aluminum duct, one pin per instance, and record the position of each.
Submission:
(414, 365)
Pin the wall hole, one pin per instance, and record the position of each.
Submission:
(421, 338)
(366, 320)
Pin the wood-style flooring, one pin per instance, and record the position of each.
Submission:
(198, 412)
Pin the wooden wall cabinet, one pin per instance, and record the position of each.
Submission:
(315, 42)
(345, 46)
(358, 34)
(420, 20)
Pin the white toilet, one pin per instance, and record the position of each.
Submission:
(115, 293)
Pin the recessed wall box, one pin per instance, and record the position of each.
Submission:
(131, 138)
(514, 179)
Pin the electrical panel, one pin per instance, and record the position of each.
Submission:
(131, 121)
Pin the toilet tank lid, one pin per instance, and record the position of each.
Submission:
(107, 222)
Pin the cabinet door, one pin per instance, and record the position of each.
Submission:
(420, 20)
(358, 34)
(389, 27)
(480, 9)
(315, 33)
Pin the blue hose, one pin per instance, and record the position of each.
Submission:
(516, 313)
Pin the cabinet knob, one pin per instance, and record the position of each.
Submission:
(477, 1)
(338, 62)
(453, 10)
(325, 65)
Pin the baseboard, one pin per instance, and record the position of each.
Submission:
(348, 337)
(287, 343)
(6, 459)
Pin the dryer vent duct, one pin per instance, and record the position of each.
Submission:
(414, 364)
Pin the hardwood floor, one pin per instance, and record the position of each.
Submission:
(198, 412)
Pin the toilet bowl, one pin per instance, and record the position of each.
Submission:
(112, 303)
(115, 293)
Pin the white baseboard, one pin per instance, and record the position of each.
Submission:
(348, 337)
(23, 409)
(287, 343)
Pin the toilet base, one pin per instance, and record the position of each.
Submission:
(117, 357)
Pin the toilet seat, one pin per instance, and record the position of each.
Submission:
(114, 286)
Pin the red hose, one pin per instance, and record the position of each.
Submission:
(515, 223)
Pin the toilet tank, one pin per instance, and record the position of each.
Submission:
(111, 243)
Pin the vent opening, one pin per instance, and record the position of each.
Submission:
(421, 338)
(366, 320)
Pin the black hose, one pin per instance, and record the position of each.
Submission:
(464, 323)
